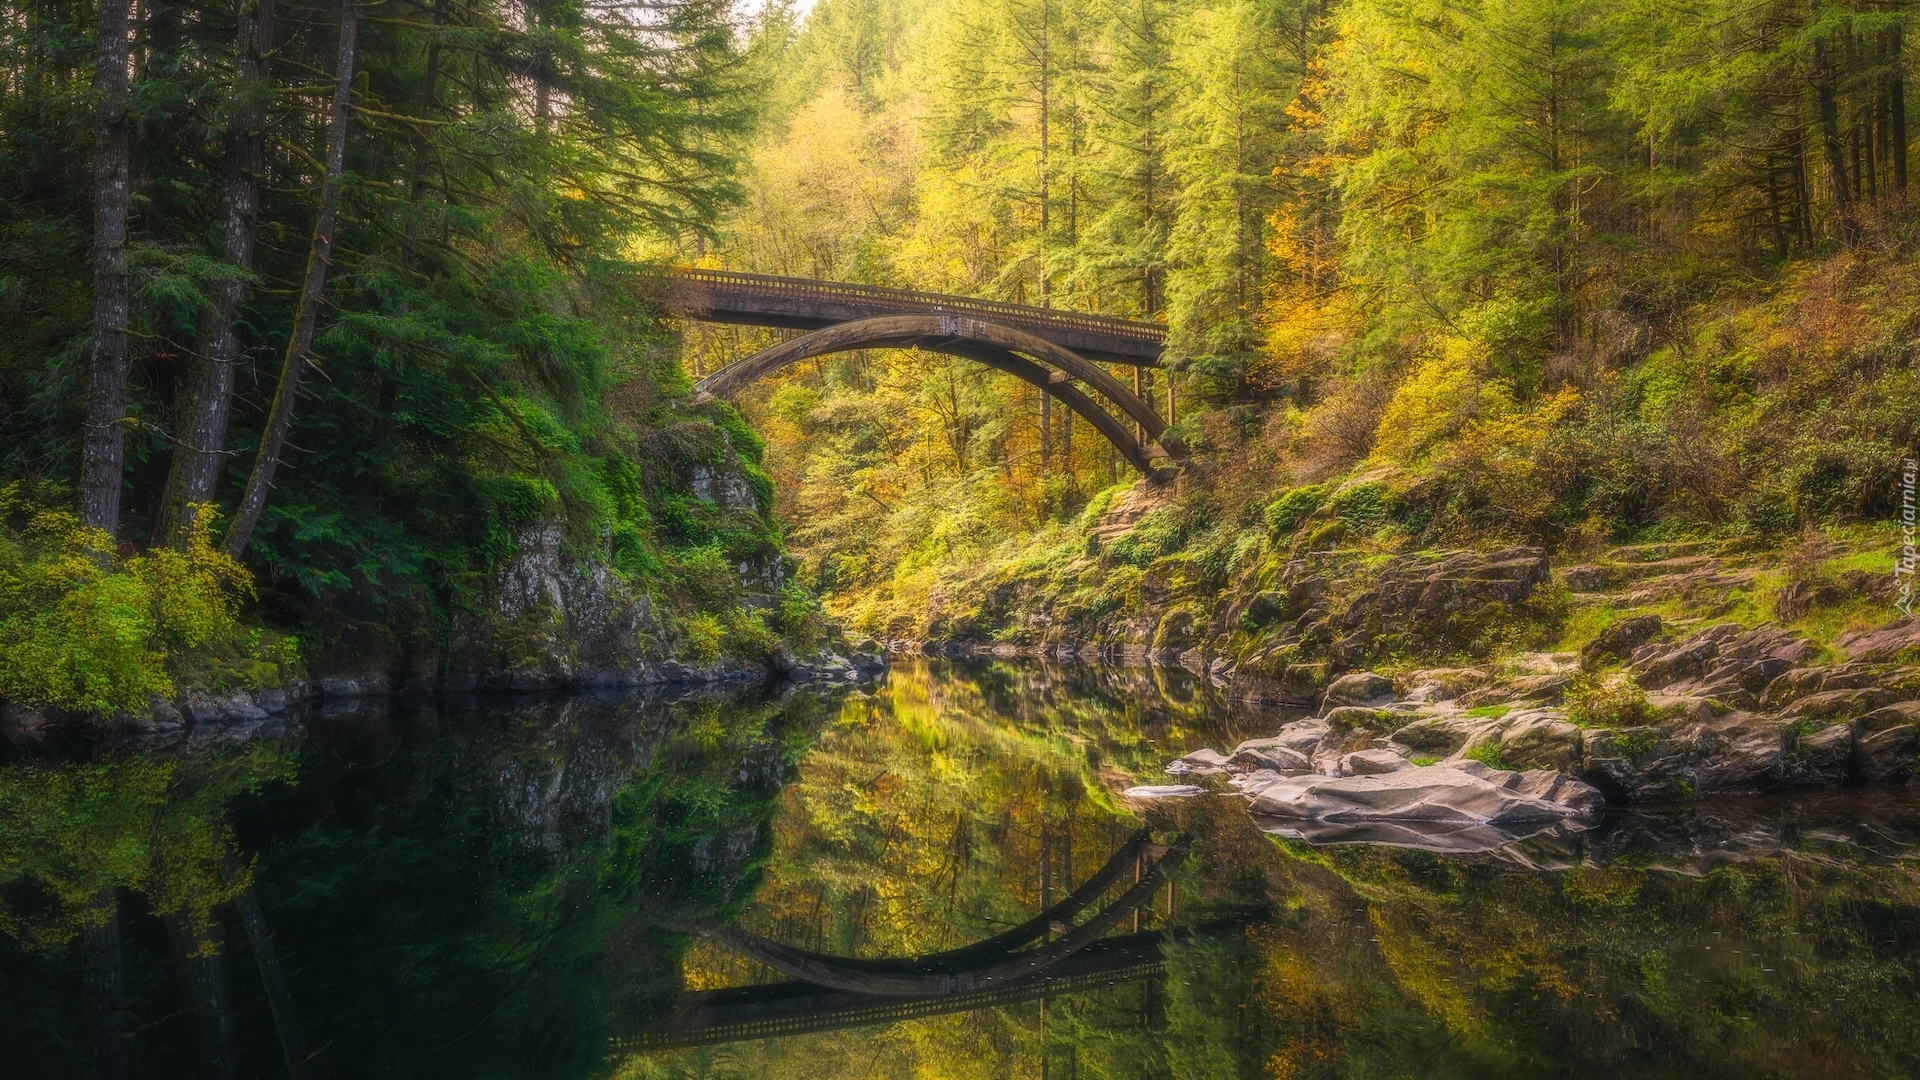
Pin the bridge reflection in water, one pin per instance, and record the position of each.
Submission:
(710, 1017)
(830, 993)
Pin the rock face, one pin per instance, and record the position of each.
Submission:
(558, 620)
(1618, 641)
(1411, 601)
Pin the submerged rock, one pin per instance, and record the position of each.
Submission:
(1201, 762)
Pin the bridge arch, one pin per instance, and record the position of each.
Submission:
(1000, 347)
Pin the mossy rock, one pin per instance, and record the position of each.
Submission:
(1356, 717)
(1180, 628)
(1327, 536)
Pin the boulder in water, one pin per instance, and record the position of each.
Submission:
(1199, 763)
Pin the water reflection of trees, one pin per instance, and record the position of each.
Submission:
(463, 888)
(1720, 940)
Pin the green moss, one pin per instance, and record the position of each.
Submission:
(1490, 712)
(1383, 721)
(1285, 514)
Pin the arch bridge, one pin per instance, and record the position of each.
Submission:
(1058, 352)
(1054, 952)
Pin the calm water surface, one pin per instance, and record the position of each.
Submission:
(477, 888)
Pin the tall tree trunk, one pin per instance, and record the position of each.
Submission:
(202, 425)
(103, 448)
(1836, 151)
(1803, 193)
(104, 988)
(300, 342)
(267, 958)
(1773, 211)
(200, 960)
(429, 102)
(1897, 114)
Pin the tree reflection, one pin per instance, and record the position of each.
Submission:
(466, 888)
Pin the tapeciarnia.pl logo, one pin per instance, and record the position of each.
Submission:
(1903, 564)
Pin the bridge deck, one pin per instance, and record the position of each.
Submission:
(726, 296)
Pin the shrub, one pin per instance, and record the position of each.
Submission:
(85, 631)
(703, 638)
(1158, 533)
(1364, 507)
(802, 622)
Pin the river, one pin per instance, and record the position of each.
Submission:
(481, 887)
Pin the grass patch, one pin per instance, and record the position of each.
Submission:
(1583, 624)
(1488, 754)
(1490, 712)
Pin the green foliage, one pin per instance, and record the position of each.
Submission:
(492, 359)
(1158, 534)
(803, 624)
(1285, 514)
(1488, 754)
(88, 631)
(704, 633)
(1363, 507)
(1607, 701)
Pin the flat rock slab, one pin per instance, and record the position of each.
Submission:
(1436, 795)
(1897, 639)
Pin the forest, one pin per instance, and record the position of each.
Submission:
(1551, 271)
(312, 312)
(315, 315)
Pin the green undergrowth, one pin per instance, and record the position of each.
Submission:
(88, 630)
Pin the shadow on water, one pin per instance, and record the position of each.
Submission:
(521, 887)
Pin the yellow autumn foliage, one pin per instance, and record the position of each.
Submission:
(85, 630)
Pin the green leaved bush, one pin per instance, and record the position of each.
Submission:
(87, 631)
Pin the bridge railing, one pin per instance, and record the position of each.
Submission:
(744, 285)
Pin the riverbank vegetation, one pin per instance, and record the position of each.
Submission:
(1570, 274)
(353, 294)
